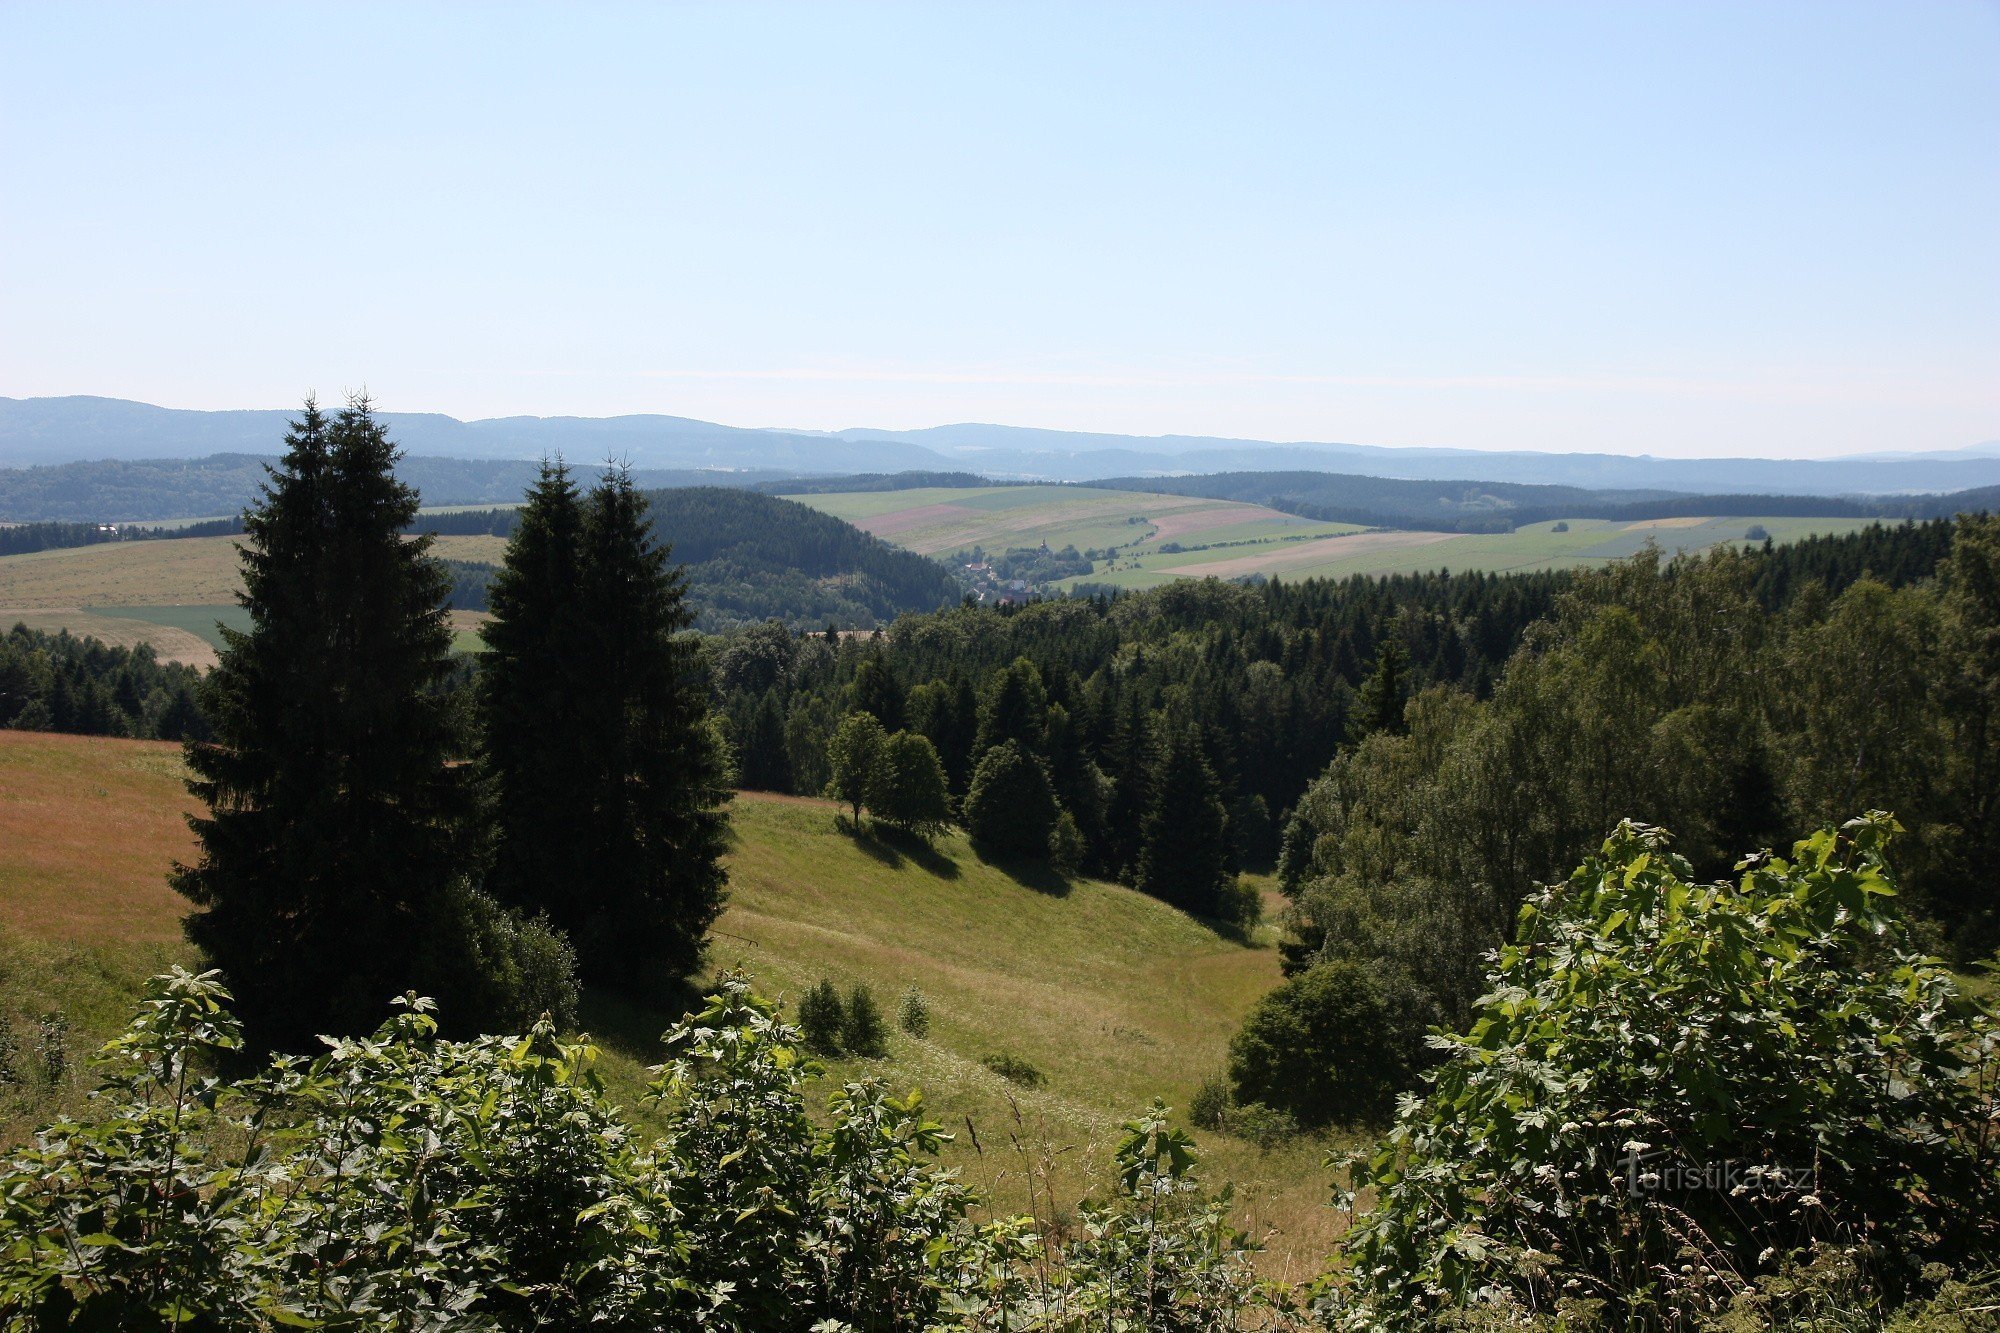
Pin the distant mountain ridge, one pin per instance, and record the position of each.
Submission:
(56, 431)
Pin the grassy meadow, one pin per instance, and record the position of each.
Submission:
(169, 593)
(945, 520)
(1115, 997)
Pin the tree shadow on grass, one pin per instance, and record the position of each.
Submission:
(894, 846)
(1030, 874)
(631, 1025)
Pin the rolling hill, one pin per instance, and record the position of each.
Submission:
(1112, 995)
(949, 520)
(1139, 539)
(69, 430)
(748, 556)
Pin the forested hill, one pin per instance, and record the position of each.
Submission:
(152, 489)
(753, 557)
(1497, 506)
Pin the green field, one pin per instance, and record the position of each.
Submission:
(1226, 539)
(1114, 996)
(945, 521)
(169, 592)
(1536, 546)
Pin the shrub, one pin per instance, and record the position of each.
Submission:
(1013, 1068)
(1211, 1103)
(404, 1181)
(1757, 533)
(822, 1021)
(913, 1013)
(1331, 1045)
(1010, 808)
(1067, 848)
(1673, 1088)
(862, 1030)
(1265, 1126)
(1239, 903)
(907, 787)
(52, 1046)
(491, 961)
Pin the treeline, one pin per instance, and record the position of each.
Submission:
(58, 682)
(1489, 506)
(878, 481)
(1098, 702)
(21, 538)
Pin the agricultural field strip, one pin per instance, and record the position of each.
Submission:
(943, 521)
(1534, 547)
(188, 571)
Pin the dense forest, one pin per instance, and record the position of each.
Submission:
(58, 682)
(1269, 682)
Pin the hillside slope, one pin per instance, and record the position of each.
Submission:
(749, 556)
(1114, 996)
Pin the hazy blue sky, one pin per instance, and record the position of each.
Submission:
(1681, 228)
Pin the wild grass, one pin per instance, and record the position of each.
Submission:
(1114, 997)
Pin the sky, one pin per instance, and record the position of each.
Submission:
(1686, 228)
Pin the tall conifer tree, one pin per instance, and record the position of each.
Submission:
(652, 873)
(329, 853)
(1184, 851)
(534, 683)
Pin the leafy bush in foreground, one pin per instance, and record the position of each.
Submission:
(1674, 1089)
(402, 1181)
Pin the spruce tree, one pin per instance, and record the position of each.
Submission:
(535, 680)
(651, 870)
(328, 857)
(1016, 709)
(1184, 854)
(1384, 693)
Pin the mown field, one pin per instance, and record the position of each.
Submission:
(944, 521)
(1226, 539)
(169, 593)
(1113, 996)
(1587, 542)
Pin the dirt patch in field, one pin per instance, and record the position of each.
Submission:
(1295, 555)
(1173, 525)
(1644, 524)
(902, 520)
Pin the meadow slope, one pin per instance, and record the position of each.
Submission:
(1114, 996)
